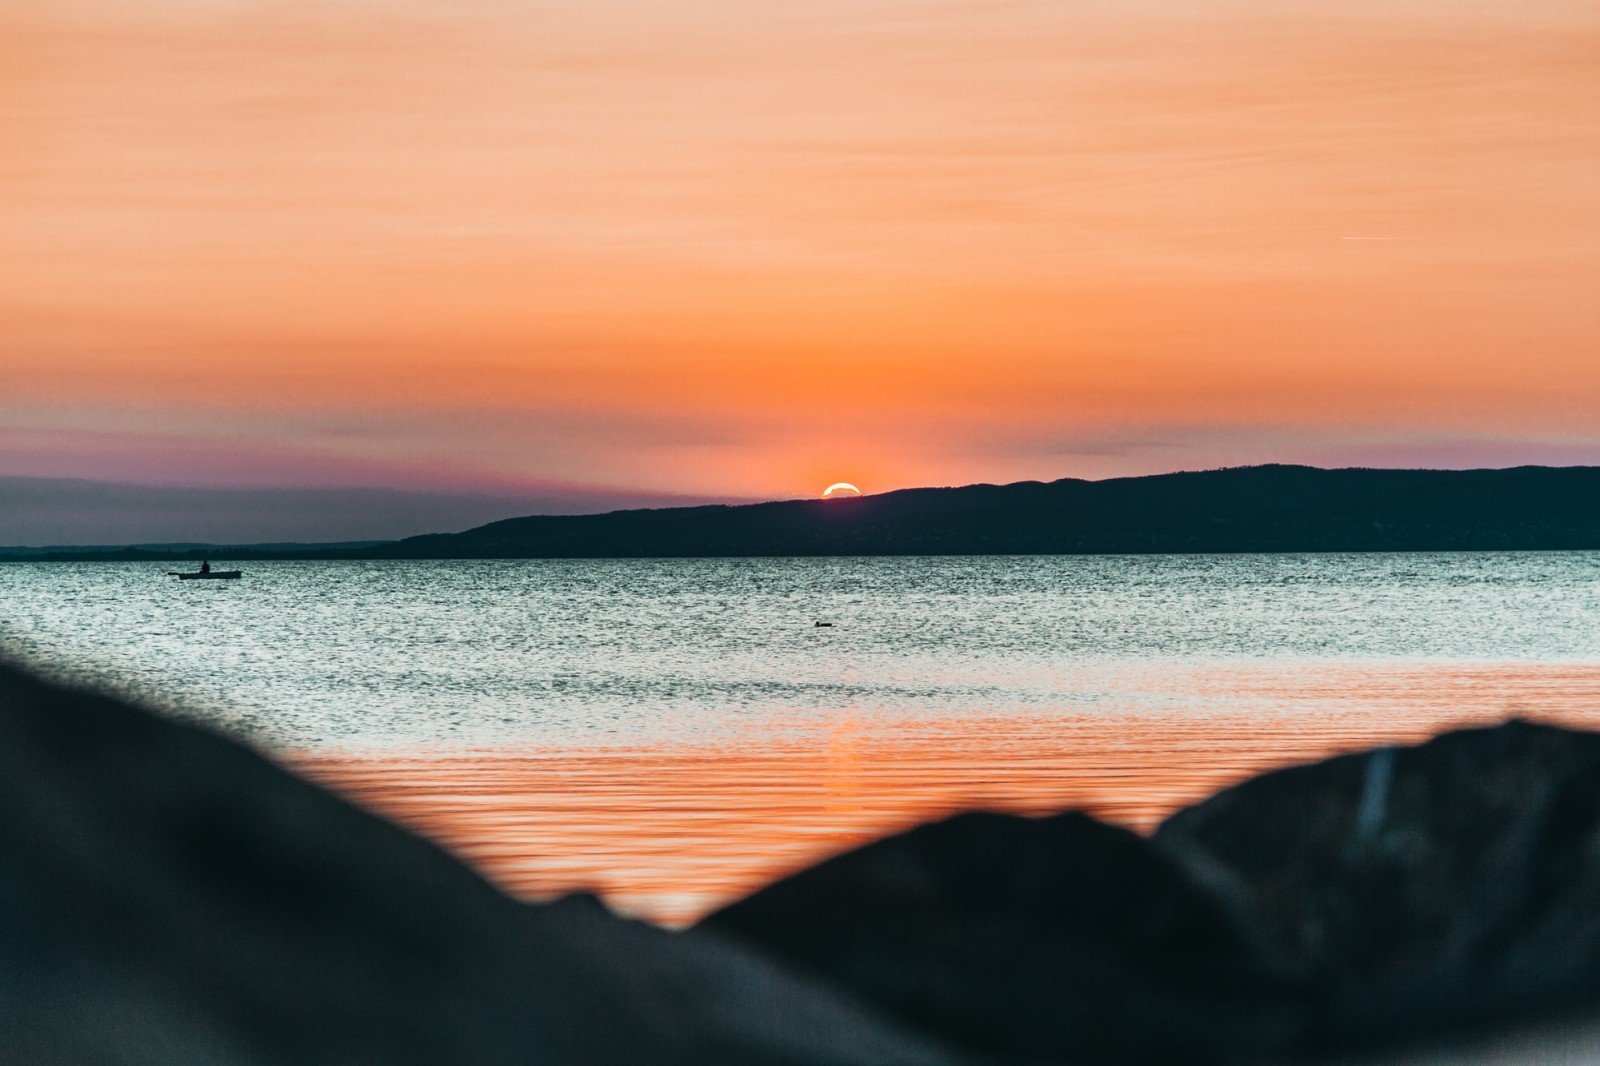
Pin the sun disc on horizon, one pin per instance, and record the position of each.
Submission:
(842, 487)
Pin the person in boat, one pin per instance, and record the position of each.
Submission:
(205, 566)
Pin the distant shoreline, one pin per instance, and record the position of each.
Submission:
(1245, 510)
(223, 556)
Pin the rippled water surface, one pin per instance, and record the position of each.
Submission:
(396, 654)
(675, 730)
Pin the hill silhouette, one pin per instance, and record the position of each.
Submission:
(1243, 509)
(1247, 509)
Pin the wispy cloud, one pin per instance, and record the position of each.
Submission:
(39, 512)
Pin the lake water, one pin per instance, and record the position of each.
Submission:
(673, 732)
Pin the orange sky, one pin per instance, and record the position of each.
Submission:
(752, 249)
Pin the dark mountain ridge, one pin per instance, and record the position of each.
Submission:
(1246, 509)
(1242, 509)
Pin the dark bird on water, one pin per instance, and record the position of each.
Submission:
(823, 625)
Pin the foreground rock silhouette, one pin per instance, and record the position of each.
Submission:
(1056, 939)
(1376, 901)
(1415, 893)
(169, 896)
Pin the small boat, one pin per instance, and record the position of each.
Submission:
(206, 575)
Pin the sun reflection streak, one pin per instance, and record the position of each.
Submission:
(670, 833)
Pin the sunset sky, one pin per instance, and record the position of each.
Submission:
(722, 249)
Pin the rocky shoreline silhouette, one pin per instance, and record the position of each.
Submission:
(168, 895)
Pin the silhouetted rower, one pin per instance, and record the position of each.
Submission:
(205, 566)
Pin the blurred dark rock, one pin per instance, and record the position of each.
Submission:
(1422, 892)
(1055, 939)
(1397, 901)
(168, 896)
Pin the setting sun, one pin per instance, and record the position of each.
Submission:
(842, 487)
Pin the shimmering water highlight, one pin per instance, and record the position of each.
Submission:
(674, 732)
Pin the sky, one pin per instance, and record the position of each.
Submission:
(70, 512)
(699, 249)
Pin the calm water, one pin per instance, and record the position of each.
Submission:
(675, 731)
(476, 654)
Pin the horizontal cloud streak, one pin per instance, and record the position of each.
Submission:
(50, 511)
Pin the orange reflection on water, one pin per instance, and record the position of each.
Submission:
(670, 833)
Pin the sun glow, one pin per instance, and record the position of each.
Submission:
(842, 488)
